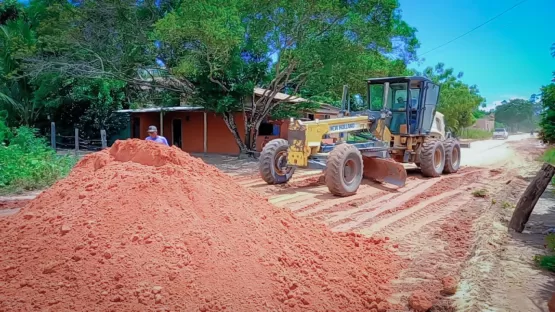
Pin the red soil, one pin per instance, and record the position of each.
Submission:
(11, 204)
(144, 227)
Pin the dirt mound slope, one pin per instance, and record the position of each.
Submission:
(144, 227)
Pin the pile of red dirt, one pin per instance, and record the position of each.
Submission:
(12, 204)
(144, 227)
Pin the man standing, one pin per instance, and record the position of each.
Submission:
(153, 136)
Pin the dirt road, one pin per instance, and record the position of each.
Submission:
(449, 229)
(438, 225)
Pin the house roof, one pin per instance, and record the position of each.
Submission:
(280, 96)
(397, 79)
(160, 109)
(327, 109)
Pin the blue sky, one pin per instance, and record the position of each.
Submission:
(507, 58)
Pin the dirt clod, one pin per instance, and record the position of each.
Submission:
(551, 303)
(65, 229)
(150, 197)
(449, 285)
(156, 289)
(419, 301)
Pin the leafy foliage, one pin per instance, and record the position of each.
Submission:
(549, 156)
(284, 46)
(547, 121)
(518, 115)
(547, 261)
(457, 100)
(76, 62)
(26, 162)
(477, 134)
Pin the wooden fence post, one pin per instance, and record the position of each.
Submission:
(53, 135)
(103, 139)
(530, 197)
(76, 142)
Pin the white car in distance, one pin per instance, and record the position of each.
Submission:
(500, 133)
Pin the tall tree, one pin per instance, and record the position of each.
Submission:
(279, 45)
(518, 114)
(457, 100)
(17, 41)
(94, 57)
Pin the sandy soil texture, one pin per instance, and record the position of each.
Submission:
(457, 251)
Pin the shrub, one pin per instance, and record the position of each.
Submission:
(549, 156)
(26, 161)
(477, 134)
(480, 193)
(547, 262)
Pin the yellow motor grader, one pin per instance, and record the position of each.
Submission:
(400, 126)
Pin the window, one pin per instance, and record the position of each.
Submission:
(310, 116)
(376, 96)
(265, 129)
(415, 98)
(396, 96)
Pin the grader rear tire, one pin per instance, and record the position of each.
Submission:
(273, 161)
(452, 156)
(344, 170)
(432, 158)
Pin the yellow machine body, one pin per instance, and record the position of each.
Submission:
(305, 137)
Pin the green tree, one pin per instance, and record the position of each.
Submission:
(457, 100)
(547, 121)
(547, 109)
(281, 45)
(518, 115)
(91, 58)
(17, 41)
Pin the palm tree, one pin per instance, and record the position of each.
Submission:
(16, 37)
(4, 98)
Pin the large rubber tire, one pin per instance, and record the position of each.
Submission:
(432, 158)
(452, 156)
(268, 164)
(344, 170)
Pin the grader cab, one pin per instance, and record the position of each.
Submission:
(400, 126)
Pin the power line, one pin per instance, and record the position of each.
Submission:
(473, 29)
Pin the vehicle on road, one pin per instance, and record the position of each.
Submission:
(401, 125)
(500, 133)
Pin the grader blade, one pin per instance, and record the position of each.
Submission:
(384, 170)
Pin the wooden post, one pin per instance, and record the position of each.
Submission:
(528, 200)
(103, 139)
(161, 123)
(53, 135)
(76, 142)
(205, 134)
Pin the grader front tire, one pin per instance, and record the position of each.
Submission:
(344, 170)
(272, 162)
(432, 158)
(452, 156)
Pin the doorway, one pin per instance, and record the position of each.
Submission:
(177, 138)
(136, 128)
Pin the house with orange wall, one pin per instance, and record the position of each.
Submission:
(196, 130)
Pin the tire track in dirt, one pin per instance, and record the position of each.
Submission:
(381, 194)
(425, 191)
(414, 218)
(373, 208)
(254, 181)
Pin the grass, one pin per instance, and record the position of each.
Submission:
(27, 163)
(477, 134)
(547, 261)
(480, 193)
(549, 156)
